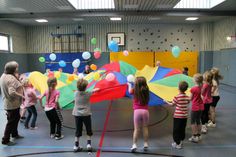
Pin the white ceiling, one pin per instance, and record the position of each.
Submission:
(132, 11)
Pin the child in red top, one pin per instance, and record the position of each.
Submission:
(197, 107)
(181, 102)
(207, 99)
(141, 113)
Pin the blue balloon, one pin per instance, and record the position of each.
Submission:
(53, 57)
(62, 63)
(176, 51)
(113, 46)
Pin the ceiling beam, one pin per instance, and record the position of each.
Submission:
(77, 14)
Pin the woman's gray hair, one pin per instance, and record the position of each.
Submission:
(10, 67)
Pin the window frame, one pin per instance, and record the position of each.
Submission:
(9, 43)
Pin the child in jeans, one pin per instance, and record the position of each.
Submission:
(30, 102)
(141, 113)
(215, 96)
(207, 99)
(82, 114)
(181, 101)
(197, 107)
(52, 97)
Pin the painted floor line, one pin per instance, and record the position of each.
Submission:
(117, 147)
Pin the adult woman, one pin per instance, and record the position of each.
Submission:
(12, 94)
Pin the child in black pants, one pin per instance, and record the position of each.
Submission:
(181, 102)
(82, 114)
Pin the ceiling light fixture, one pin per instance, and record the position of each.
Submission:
(92, 4)
(154, 18)
(41, 20)
(191, 18)
(197, 4)
(115, 18)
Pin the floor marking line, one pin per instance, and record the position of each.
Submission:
(104, 130)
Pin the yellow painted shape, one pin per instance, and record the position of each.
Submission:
(186, 59)
(147, 72)
(165, 92)
(137, 59)
(39, 81)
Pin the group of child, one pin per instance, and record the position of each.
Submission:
(204, 97)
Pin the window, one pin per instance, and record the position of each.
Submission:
(5, 43)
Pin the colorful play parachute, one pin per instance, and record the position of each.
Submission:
(111, 79)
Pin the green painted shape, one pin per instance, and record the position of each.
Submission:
(173, 81)
(127, 69)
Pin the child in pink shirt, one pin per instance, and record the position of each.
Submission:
(207, 99)
(52, 97)
(30, 102)
(197, 107)
(141, 113)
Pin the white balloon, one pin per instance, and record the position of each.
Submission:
(53, 57)
(81, 75)
(130, 78)
(76, 63)
(86, 55)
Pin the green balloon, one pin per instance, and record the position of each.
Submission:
(41, 59)
(93, 41)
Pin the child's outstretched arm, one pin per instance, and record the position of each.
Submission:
(130, 89)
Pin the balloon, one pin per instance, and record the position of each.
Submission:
(176, 51)
(110, 77)
(41, 59)
(93, 41)
(76, 63)
(57, 74)
(71, 78)
(53, 57)
(130, 78)
(81, 75)
(96, 76)
(97, 54)
(93, 67)
(86, 55)
(125, 53)
(68, 82)
(113, 46)
(62, 63)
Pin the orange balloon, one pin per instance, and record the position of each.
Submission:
(93, 67)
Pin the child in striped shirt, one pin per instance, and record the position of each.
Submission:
(181, 102)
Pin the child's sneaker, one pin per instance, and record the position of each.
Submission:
(193, 139)
(211, 125)
(134, 148)
(59, 137)
(145, 147)
(199, 137)
(52, 136)
(176, 146)
(89, 147)
(204, 129)
(77, 148)
(33, 128)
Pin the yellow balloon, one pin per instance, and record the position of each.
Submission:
(96, 76)
(57, 74)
